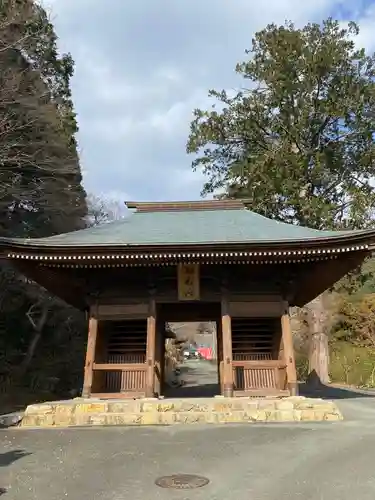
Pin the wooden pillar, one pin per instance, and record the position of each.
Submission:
(226, 334)
(90, 353)
(291, 372)
(160, 339)
(151, 346)
(220, 363)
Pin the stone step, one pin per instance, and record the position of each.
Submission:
(79, 406)
(75, 413)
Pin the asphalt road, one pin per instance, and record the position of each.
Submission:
(333, 461)
(200, 379)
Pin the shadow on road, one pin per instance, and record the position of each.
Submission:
(199, 391)
(200, 380)
(9, 457)
(331, 392)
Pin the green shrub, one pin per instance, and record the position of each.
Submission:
(352, 365)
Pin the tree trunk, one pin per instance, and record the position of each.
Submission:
(318, 345)
(319, 359)
(38, 328)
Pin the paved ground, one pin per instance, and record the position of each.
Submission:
(263, 462)
(200, 379)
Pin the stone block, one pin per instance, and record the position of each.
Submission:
(154, 418)
(82, 419)
(332, 417)
(271, 415)
(97, 419)
(168, 418)
(146, 406)
(62, 410)
(212, 417)
(223, 407)
(91, 408)
(260, 416)
(217, 418)
(186, 406)
(285, 405)
(297, 415)
(30, 421)
(47, 421)
(285, 415)
(267, 405)
(165, 407)
(128, 419)
(253, 415)
(308, 415)
(326, 406)
(125, 407)
(184, 411)
(319, 414)
(305, 405)
(252, 404)
(41, 409)
(190, 418)
(232, 418)
(63, 421)
(157, 405)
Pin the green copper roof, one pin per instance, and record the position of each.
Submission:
(197, 227)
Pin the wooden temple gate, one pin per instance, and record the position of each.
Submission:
(125, 355)
(211, 260)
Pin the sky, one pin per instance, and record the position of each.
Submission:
(142, 67)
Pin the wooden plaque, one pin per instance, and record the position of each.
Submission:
(188, 282)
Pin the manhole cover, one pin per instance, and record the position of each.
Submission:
(182, 481)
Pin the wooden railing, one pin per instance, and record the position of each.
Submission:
(258, 377)
(126, 379)
(261, 376)
(127, 358)
(251, 356)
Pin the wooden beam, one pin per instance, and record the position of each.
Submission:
(185, 205)
(90, 354)
(122, 311)
(118, 367)
(226, 331)
(151, 346)
(287, 337)
(56, 281)
(322, 275)
(260, 393)
(190, 311)
(260, 309)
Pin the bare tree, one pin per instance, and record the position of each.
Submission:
(102, 210)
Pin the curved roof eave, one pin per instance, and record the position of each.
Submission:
(206, 229)
(43, 246)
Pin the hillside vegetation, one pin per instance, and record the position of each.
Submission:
(41, 338)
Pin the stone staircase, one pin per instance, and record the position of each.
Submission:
(84, 412)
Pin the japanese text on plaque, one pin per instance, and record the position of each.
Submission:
(188, 282)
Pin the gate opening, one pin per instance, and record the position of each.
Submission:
(191, 361)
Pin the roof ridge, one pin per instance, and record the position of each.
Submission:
(184, 206)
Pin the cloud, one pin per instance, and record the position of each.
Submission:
(141, 69)
(366, 21)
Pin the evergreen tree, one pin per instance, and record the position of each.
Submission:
(298, 141)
